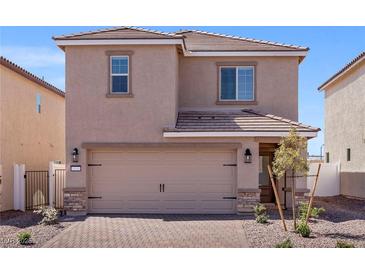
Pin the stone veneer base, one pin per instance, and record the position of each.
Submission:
(75, 201)
(247, 199)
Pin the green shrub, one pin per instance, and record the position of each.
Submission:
(259, 209)
(303, 229)
(315, 211)
(285, 244)
(24, 238)
(260, 214)
(49, 215)
(262, 219)
(343, 244)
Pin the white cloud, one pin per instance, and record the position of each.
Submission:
(33, 57)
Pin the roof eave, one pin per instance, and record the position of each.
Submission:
(30, 76)
(207, 134)
(342, 72)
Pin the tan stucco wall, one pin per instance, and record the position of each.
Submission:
(92, 117)
(28, 137)
(345, 128)
(276, 84)
(163, 83)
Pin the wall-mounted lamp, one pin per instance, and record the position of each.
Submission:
(248, 156)
(75, 155)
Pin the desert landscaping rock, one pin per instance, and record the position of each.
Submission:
(344, 220)
(14, 222)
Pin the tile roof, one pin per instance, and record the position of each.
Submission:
(30, 76)
(348, 66)
(118, 33)
(196, 40)
(245, 120)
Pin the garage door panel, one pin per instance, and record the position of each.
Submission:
(145, 205)
(195, 181)
(106, 204)
(183, 187)
(127, 156)
(122, 187)
(187, 204)
(124, 172)
(218, 205)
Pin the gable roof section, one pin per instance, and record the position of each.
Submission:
(349, 66)
(197, 40)
(118, 33)
(236, 123)
(192, 42)
(14, 67)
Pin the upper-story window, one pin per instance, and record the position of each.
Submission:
(119, 74)
(38, 103)
(236, 83)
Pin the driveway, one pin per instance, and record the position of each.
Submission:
(153, 231)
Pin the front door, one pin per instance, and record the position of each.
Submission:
(266, 153)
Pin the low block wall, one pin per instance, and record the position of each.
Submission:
(353, 184)
(328, 180)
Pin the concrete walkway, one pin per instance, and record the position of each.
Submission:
(153, 231)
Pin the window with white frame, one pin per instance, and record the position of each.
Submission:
(236, 83)
(119, 68)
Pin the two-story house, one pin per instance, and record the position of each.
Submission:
(344, 134)
(180, 122)
(32, 125)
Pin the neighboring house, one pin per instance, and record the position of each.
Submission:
(32, 125)
(163, 122)
(344, 134)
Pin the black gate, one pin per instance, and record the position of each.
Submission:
(60, 178)
(36, 189)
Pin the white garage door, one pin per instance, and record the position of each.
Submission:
(166, 181)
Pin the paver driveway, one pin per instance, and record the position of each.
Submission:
(154, 231)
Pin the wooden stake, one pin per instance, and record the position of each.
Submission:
(277, 197)
(312, 195)
(293, 200)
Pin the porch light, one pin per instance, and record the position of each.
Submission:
(248, 156)
(75, 155)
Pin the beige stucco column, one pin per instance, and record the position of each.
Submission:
(248, 192)
(75, 200)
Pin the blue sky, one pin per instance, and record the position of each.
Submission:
(330, 49)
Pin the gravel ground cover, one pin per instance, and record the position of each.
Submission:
(343, 220)
(14, 222)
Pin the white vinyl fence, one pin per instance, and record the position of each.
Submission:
(55, 188)
(328, 181)
(19, 187)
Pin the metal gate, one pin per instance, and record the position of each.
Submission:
(36, 189)
(60, 178)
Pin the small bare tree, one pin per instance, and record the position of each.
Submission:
(290, 156)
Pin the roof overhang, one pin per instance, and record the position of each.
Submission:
(173, 41)
(100, 42)
(246, 53)
(307, 134)
(342, 72)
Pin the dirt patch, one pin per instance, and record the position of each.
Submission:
(14, 222)
(343, 220)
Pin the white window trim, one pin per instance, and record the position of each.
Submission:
(118, 74)
(237, 99)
